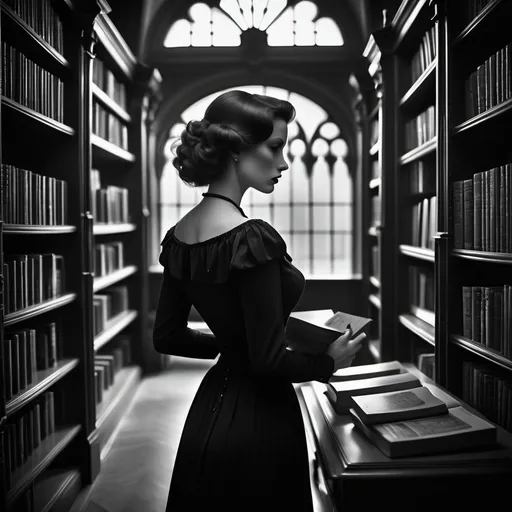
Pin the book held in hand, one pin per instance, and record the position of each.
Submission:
(398, 405)
(313, 331)
(366, 371)
(456, 430)
(340, 393)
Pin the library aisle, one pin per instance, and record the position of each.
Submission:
(136, 473)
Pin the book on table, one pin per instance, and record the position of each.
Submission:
(419, 421)
(340, 393)
(314, 330)
(366, 371)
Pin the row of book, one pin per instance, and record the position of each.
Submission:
(482, 211)
(108, 126)
(487, 393)
(375, 169)
(487, 316)
(421, 129)
(424, 222)
(28, 84)
(26, 433)
(490, 84)
(31, 279)
(31, 198)
(27, 352)
(107, 305)
(108, 204)
(375, 210)
(425, 54)
(109, 257)
(107, 366)
(421, 288)
(105, 79)
(422, 178)
(426, 363)
(40, 16)
(404, 416)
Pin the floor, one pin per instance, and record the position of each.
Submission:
(136, 472)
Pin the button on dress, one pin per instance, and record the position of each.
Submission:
(243, 446)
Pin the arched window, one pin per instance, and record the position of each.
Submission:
(311, 207)
(285, 25)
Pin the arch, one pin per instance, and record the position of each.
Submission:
(158, 25)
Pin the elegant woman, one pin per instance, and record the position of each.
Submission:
(243, 446)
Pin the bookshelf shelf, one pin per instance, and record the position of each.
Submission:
(375, 149)
(418, 327)
(375, 282)
(420, 152)
(27, 229)
(38, 309)
(375, 301)
(420, 253)
(15, 114)
(114, 326)
(482, 351)
(486, 257)
(425, 315)
(41, 458)
(106, 152)
(55, 487)
(33, 42)
(424, 86)
(109, 103)
(113, 229)
(116, 401)
(43, 380)
(493, 19)
(103, 282)
(375, 183)
(497, 117)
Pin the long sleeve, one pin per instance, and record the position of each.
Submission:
(171, 334)
(259, 288)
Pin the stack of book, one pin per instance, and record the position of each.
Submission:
(404, 417)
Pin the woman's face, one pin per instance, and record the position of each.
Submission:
(259, 165)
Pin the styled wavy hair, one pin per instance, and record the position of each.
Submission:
(234, 121)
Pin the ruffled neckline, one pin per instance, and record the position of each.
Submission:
(251, 243)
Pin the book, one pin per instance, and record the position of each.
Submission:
(456, 430)
(399, 405)
(366, 371)
(313, 331)
(340, 393)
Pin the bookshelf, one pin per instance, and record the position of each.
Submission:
(446, 105)
(73, 232)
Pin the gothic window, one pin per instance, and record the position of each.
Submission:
(311, 207)
(284, 25)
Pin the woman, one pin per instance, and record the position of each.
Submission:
(243, 446)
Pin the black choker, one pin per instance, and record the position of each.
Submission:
(211, 194)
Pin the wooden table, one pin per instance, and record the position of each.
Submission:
(356, 476)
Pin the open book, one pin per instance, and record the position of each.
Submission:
(340, 393)
(457, 429)
(313, 331)
(407, 404)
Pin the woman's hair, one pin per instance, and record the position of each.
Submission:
(234, 121)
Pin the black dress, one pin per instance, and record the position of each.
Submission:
(243, 446)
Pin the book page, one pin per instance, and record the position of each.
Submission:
(421, 427)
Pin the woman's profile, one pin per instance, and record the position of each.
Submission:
(243, 446)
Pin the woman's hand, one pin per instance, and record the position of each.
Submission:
(344, 350)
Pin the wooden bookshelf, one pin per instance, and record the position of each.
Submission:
(446, 137)
(51, 147)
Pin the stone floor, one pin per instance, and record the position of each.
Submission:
(136, 472)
